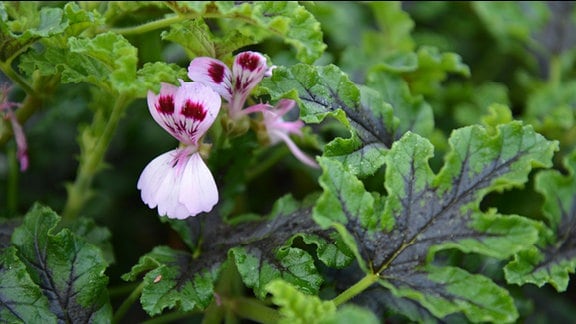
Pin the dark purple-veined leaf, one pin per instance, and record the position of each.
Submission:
(327, 91)
(68, 270)
(414, 113)
(554, 257)
(261, 251)
(395, 235)
(174, 279)
(21, 300)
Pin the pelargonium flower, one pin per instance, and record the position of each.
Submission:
(279, 130)
(21, 145)
(178, 182)
(248, 69)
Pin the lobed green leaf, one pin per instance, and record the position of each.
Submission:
(21, 299)
(251, 23)
(174, 280)
(326, 91)
(423, 213)
(554, 258)
(68, 270)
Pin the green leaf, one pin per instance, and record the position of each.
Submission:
(107, 60)
(174, 280)
(257, 268)
(261, 251)
(32, 24)
(385, 40)
(423, 213)
(251, 23)
(414, 113)
(96, 235)
(554, 259)
(194, 36)
(433, 68)
(551, 109)
(327, 91)
(296, 307)
(267, 252)
(448, 290)
(21, 299)
(510, 22)
(68, 270)
(477, 100)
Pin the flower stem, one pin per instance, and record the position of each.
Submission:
(153, 25)
(91, 161)
(252, 309)
(555, 76)
(6, 68)
(128, 303)
(356, 289)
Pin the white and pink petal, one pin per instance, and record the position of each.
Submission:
(213, 73)
(198, 192)
(187, 111)
(248, 70)
(180, 185)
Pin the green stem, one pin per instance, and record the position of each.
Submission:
(15, 77)
(91, 161)
(252, 309)
(356, 289)
(128, 302)
(265, 164)
(153, 25)
(555, 70)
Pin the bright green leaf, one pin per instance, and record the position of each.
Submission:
(555, 257)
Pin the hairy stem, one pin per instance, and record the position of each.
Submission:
(252, 309)
(150, 26)
(356, 289)
(91, 161)
(6, 68)
(131, 299)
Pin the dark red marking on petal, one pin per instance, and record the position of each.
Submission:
(216, 72)
(165, 104)
(249, 61)
(238, 85)
(194, 110)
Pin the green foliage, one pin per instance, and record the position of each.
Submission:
(53, 275)
(444, 134)
(552, 260)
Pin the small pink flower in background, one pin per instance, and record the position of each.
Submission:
(178, 182)
(279, 130)
(234, 86)
(19, 136)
